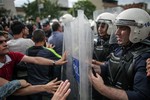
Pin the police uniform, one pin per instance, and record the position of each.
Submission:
(126, 70)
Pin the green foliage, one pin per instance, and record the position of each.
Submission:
(31, 9)
(85, 5)
(49, 8)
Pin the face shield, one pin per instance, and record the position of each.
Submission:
(104, 27)
(135, 29)
(123, 22)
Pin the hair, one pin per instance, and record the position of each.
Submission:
(30, 27)
(17, 27)
(45, 24)
(38, 36)
(55, 26)
(1, 28)
(4, 25)
(1, 33)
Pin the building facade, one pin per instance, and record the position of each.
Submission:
(98, 4)
(63, 3)
(9, 5)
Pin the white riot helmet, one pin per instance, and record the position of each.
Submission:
(139, 22)
(66, 18)
(109, 19)
(93, 26)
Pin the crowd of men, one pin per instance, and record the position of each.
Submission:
(31, 58)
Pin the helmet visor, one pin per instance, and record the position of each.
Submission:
(103, 27)
(123, 22)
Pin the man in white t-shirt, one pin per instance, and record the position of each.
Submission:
(19, 44)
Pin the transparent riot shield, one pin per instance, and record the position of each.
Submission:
(78, 42)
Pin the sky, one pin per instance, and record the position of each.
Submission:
(18, 3)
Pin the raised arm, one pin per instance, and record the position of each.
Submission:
(9, 87)
(62, 92)
(44, 61)
(110, 92)
(3, 81)
(50, 87)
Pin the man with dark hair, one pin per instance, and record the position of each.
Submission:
(17, 27)
(38, 23)
(19, 44)
(56, 39)
(8, 60)
(30, 27)
(47, 29)
(40, 74)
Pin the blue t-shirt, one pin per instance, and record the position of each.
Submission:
(56, 39)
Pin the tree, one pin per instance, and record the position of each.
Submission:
(85, 5)
(49, 8)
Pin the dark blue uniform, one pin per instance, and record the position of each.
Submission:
(40, 74)
(126, 70)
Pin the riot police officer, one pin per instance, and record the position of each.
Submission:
(123, 77)
(105, 28)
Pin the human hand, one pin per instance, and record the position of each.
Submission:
(97, 62)
(62, 91)
(96, 81)
(38, 20)
(62, 60)
(24, 83)
(148, 66)
(96, 68)
(48, 45)
(94, 62)
(52, 86)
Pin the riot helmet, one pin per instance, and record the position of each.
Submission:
(137, 20)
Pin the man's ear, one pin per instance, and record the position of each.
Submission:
(32, 39)
(23, 30)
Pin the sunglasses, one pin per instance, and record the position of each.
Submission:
(2, 41)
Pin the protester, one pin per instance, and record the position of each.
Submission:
(40, 74)
(8, 60)
(47, 29)
(10, 87)
(62, 91)
(56, 39)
